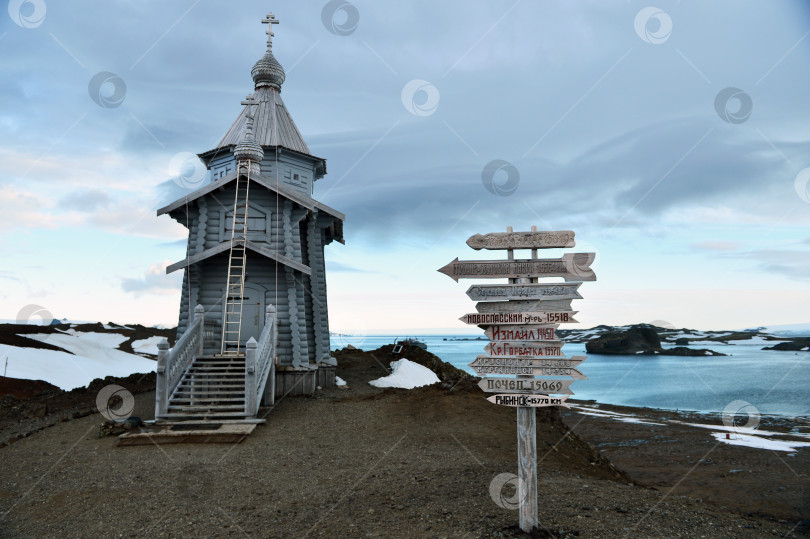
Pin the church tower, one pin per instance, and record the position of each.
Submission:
(257, 237)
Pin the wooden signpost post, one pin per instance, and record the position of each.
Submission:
(521, 319)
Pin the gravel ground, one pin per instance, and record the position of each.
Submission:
(360, 462)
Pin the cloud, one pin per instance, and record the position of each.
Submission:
(85, 201)
(154, 281)
(718, 246)
(345, 268)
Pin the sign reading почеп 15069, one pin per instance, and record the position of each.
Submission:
(526, 385)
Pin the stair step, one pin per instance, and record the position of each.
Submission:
(234, 364)
(177, 399)
(209, 408)
(216, 368)
(207, 375)
(238, 404)
(210, 415)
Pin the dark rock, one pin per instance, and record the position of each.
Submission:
(641, 338)
(795, 345)
(682, 341)
(684, 351)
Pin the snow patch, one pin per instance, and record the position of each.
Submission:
(340, 382)
(92, 355)
(147, 346)
(407, 375)
(757, 442)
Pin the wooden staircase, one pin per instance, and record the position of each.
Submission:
(212, 388)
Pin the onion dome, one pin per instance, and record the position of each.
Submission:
(267, 71)
(248, 149)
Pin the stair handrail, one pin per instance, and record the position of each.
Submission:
(173, 363)
(260, 364)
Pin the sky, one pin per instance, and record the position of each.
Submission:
(674, 140)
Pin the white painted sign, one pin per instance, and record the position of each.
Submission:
(522, 240)
(489, 370)
(526, 385)
(516, 306)
(525, 348)
(571, 267)
(534, 318)
(501, 292)
(550, 363)
(535, 401)
(546, 332)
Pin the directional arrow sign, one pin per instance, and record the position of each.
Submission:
(526, 385)
(541, 317)
(486, 370)
(515, 306)
(524, 348)
(522, 333)
(571, 267)
(500, 292)
(535, 401)
(522, 240)
(549, 363)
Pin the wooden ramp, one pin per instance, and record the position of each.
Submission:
(190, 432)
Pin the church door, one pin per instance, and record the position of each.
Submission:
(252, 313)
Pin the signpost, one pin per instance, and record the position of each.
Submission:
(521, 319)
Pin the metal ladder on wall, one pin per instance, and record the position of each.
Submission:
(232, 315)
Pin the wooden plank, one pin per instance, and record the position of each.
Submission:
(551, 363)
(571, 267)
(516, 305)
(547, 332)
(524, 348)
(522, 240)
(531, 386)
(487, 319)
(534, 401)
(501, 292)
(489, 370)
(226, 433)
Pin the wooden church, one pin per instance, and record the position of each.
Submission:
(254, 280)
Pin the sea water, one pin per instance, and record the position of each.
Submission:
(766, 381)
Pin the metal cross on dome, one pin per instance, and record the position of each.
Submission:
(270, 20)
